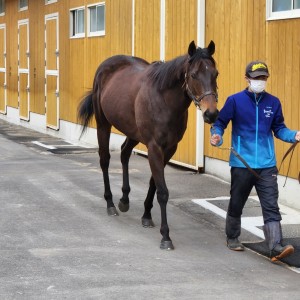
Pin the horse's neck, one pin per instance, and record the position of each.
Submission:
(178, 100)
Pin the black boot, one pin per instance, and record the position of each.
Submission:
(273, 235)
(233, 231)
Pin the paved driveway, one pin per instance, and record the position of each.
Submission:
(57, 241)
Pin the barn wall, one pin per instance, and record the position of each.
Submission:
(242, 34)
(239, 29)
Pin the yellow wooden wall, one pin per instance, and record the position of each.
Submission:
(283, 58)
(239, 29)
(181, 29)
(78, 58)
(11, 20)
(242, 34)
(85, 54)
(147, 29)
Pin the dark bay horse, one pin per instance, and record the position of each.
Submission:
(149, 104)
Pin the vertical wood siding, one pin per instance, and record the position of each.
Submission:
(239, 29)
(181, 29)
(241, 33)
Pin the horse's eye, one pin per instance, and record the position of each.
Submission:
(193, 75)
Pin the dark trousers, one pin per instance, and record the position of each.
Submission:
(242, 182)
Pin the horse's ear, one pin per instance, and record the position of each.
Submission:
(211, 48)
(192, 48)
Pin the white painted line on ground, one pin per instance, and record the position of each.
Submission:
(251, 224)
(43, 145)
(52, 147)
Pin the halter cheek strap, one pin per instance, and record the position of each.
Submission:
(199, 99)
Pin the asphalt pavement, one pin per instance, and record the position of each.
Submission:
(57, 241)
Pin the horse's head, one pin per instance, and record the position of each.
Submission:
(201, 80)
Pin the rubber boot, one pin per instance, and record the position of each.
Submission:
(233, 231)
(273, 235)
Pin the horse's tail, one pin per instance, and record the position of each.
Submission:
(85, 112)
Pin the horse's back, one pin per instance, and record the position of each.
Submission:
(117, 62)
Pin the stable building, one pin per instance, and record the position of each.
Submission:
(50, 50)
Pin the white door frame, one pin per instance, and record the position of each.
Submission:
(199, 118)
(3, 69)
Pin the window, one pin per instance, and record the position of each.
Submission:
(23, 4)
(77, 22)
(50, 1)
(2, 7)
(283, 9)
(96, 20)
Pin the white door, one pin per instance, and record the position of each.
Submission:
(52, 71)
(23, 69)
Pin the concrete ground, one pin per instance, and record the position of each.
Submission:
(57, 241)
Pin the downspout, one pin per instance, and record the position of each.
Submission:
(199, 119)
(162, 29)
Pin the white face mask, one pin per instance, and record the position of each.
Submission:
(257, 86)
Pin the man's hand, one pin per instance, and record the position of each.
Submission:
(216, 138)
(297, 136)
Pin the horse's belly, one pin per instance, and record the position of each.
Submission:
(117, 103)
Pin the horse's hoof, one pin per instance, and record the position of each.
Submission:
(123, 207)
(147, 223)
(112, 211)
(166, 245)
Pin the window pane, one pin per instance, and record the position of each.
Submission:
(93, 19)
(2, 9)
(23, 3)
(281, 5)
(100, 18)
(296, 4)
(80, 21)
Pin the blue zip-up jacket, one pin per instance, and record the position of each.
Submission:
(254, 120)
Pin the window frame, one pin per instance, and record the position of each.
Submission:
(280, 15)
(72, 24)
(22, 8)
(95, 33)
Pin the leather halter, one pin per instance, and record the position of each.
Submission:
(200, 98)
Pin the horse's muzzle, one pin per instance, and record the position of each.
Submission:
(210, 117)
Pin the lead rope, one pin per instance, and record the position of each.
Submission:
(235, 153)
(290, 150)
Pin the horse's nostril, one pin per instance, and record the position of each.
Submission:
(210, 117)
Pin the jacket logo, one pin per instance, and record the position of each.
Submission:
(268, 112)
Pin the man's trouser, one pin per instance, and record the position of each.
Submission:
(242, 182)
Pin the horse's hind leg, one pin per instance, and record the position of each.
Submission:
(103, 134)
(126, 150)
(148, 204)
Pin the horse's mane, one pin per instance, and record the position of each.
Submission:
(166, 74)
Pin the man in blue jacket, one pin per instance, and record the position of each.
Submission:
(255, 115)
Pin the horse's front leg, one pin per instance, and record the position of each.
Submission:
(126, 150)
(156, 161)
(148, 204)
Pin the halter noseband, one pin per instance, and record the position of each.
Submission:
(198, 100)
